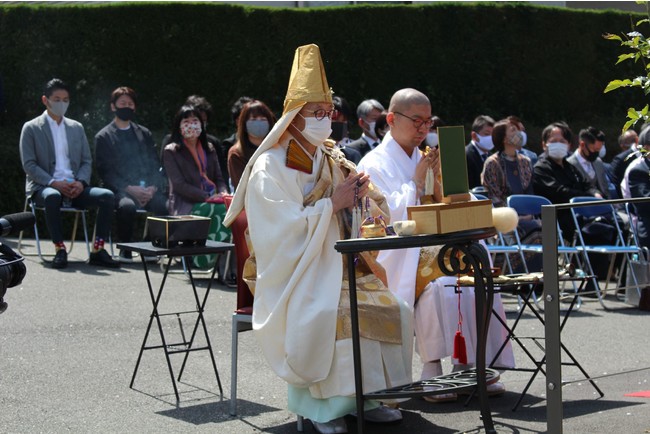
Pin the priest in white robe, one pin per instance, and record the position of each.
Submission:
(398, 168)
(297, 191)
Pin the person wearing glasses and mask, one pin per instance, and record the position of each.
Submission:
(254, 123)
(298, 190)
(128, 165)
(398, 168)
(196, 185)
(479, 148)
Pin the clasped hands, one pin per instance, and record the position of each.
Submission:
(354, 187)
(141, 194)
(70, 189)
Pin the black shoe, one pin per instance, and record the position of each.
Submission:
(60, 259)
(102, 258)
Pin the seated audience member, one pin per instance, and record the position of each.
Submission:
(479, 148)
(381, 126)
(229, 142)
(556, 179)
(254, 123)
(340, 124)
(298, 192)
(586, 159)
(195, 182)
(508, 172)
(523, 150)
(367, 112)
(634, 158)
(638, 176)
(56, 158)
(398, 169)
(628, 141)
(128, 165)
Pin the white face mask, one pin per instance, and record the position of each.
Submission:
(602, 152)
(315, 131)
(485, 142)
(557, 150)
(525, 137)
(432, 140)
(371, 128)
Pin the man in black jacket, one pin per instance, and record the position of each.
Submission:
(127, 163)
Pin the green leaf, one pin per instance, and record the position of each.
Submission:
(629, 124)
(615, 84)
(645, 20)
(612, 37)
(625, 56)
(644, 111)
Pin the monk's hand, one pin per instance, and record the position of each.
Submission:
(354, 186)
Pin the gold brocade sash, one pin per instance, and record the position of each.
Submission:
(428, 268)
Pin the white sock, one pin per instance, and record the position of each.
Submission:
(431, 369)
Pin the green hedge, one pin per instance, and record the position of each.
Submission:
(540, 63)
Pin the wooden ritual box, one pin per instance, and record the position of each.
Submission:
(442, 218)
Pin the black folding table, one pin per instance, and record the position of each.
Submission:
(455, 245)
(185, 346)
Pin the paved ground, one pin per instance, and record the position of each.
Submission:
(70, 338)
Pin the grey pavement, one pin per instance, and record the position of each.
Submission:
(70, 339)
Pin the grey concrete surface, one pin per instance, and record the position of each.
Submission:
(70, 339)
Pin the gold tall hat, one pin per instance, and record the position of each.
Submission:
(308, 82)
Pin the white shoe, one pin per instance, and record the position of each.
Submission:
(334, 426)
(381, 414)
(444, 397)
(497, 388)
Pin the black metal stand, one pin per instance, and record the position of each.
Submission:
(186, 346)
(462, 244)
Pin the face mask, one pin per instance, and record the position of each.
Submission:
(124, 113)
(432, 140)
(257, 127)
(339, 130)
(58, 108)
(316, 132)
(592, 156)
(485, 142)
(371, 128)
(557, 150)
(524, 138)
(191, 130)
(517, 139)
(603, 152)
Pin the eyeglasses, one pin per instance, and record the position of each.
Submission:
(321, 113)
(417, 123)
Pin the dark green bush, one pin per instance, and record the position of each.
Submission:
(542, 64)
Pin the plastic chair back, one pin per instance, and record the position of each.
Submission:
(527, 204)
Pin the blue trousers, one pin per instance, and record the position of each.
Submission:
(92, 197)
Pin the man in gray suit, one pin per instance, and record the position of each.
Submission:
(587, 161)
(56, 157)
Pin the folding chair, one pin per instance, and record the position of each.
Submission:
(242, 317)
(525, 288)
(529, 204)
(498, 245)
(29, 203)
(619, 246)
